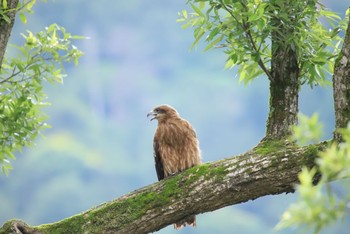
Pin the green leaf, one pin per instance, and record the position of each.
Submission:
(214, 43)
(213, 33)
(230, 64)
(4, 4)
(197, 10)
(6, 168)
(198, 35)
(6, 18)
(330, 14)
(9, 153)
(77, 37)
(23, 18)
(306, 178)
(184, 13)
(30, 5)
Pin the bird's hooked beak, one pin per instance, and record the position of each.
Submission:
(152, 114)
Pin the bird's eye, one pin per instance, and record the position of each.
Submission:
(159, 110)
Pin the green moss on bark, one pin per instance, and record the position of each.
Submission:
(7, 227)
(72, 224)
(271, 146)
(207, 171)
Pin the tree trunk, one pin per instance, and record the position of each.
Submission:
(341, 86)
(283, 101)
(284, 84)
(210, 186)
(6, 25)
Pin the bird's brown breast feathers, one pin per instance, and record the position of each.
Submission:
(177, 145)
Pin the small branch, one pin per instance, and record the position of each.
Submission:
(34, 59)
(246, 27)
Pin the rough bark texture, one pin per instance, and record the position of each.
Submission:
(341, 86)
(284, 84)
(270, 168)
(6, 26)
(283, 102)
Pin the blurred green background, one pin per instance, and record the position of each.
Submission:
(100, 143)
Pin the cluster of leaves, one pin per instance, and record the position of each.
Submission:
(308, 131)
(319, 205)
(40, 59)
(245, 28)
(23, 7)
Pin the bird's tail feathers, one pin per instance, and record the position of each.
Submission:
(190, 221)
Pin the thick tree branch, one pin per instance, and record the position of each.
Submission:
(270, 168)
(6, 24)
(341, 86)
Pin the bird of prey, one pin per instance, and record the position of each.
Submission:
(175, 146)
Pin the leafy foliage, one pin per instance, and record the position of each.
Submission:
(22, 8)
(319, 205)
(40, 59)
(308, 131)
(244, 28)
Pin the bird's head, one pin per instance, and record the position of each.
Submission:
(162, 113)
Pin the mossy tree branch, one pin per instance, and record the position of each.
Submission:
(270, 168)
